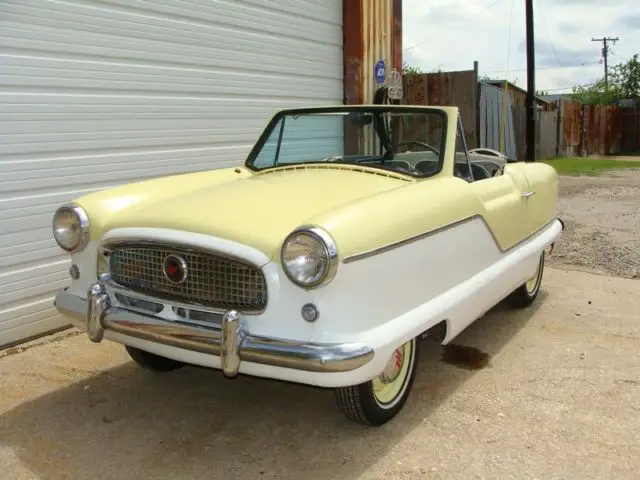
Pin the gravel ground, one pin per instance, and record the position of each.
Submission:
(602, 217)
(551, 392)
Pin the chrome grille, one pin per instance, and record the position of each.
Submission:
(213, 281)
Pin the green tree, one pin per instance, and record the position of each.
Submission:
(485, 78)
(411, 69)
(624, 82)
(626, 78)
(594, 94)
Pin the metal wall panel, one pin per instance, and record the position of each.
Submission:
(103, 92)
(491, 112)
(377, 34)
(373, 32)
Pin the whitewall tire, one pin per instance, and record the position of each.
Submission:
(526, 293)
(379, 400)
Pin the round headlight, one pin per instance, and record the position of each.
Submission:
(309, 257)
(71, 228)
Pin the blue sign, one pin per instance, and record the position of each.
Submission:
(380, 71)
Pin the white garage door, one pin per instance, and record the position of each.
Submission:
(94, 94)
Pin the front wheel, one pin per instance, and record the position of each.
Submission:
(379, 400)
(151, 361)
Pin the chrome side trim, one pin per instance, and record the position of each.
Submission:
(232, 342)
(391, 246)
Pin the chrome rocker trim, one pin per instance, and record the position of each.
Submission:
(232, 343)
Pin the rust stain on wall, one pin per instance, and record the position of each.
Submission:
(353, 48)
(372, 32)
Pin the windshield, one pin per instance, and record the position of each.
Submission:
(407, 141)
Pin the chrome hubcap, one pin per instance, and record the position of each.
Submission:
(393, 367)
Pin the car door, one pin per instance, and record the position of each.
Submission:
(504, 198)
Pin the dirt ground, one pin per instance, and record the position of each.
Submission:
(602, 217)
(559, 398)
(549, 392)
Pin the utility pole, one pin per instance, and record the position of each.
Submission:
(605, 55)
(531, 86)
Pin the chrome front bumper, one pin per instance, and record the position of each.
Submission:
(230, 341)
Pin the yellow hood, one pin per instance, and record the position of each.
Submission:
(258, 210)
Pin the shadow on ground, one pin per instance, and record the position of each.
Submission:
(126, 423)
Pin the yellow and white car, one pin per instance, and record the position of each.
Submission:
(349, 233)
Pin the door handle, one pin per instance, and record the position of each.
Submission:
(528, 194)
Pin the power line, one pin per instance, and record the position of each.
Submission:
(565, 88)
(549, 67)
(605, 55)
(546, 26)
(452, 27)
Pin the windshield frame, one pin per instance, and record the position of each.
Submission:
(398, 109)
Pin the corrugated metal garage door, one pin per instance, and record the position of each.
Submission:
(93, 94)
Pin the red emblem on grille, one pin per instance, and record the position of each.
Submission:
(175, 269)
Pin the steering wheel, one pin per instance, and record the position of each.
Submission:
(414, 142)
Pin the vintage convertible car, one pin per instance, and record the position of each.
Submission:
(350, 233)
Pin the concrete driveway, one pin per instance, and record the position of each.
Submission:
(551, 392)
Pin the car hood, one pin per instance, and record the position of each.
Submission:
(257, 210)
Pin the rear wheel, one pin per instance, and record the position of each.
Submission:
(526, 293)
(151, 361)
(379, 400)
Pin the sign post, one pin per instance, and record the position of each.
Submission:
(380, 72)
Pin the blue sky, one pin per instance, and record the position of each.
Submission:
(451, 34)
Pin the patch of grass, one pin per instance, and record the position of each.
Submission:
(588, 166)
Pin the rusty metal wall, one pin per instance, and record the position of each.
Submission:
(372, 32)
(377, 35)
(459, 89)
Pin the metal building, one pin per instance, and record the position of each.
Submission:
(96, 94)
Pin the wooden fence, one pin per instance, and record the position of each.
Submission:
(594, 130)
(630, 119)
(568, 128)
(447, 89)
(546, 132)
